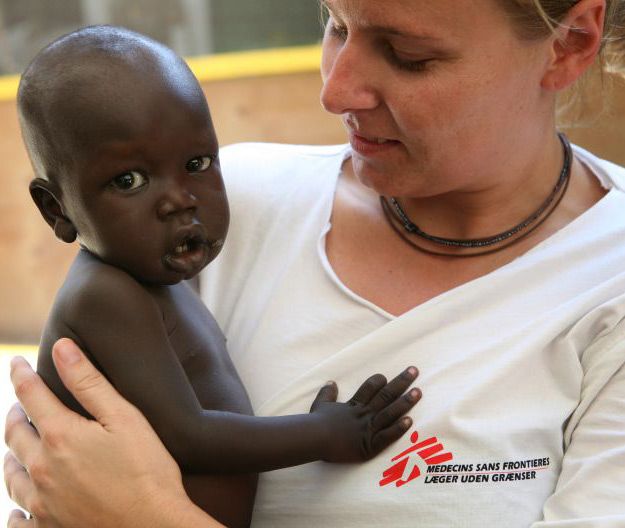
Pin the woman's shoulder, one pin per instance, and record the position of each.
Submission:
(278, 194)
(609, 174)
(278, 163)
(269, 175)
(280, 151)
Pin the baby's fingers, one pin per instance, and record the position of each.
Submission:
(387, 416)
(387, 436)
(327, 393)
(393, 389)
(368, 390)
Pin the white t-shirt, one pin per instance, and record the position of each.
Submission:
(523, 410)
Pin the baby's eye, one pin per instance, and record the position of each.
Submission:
(199, 164)
(129, 181)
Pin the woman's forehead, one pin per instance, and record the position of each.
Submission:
(424, 17)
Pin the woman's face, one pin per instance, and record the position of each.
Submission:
(437, 96)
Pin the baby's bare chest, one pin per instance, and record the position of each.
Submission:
(200, 346)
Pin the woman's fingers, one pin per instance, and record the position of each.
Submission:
(92, 390)
(17, 482)
(70, 460)
(393, 389)
(19, 435)
(17, 519)
(387, 416)
(38, 402)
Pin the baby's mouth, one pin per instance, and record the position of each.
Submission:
(190, 255)
(187, 246)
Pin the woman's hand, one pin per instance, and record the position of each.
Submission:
(72, 472)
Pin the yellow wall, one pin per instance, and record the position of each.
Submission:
(279, 104)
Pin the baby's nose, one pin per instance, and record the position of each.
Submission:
(178, 199)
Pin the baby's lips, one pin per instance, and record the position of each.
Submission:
(195, 232)
(216, 243)
(189, 262)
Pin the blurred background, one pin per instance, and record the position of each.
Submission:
(258, 62)
(191, 27)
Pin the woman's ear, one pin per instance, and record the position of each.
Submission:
(578, 41)
(44, 194)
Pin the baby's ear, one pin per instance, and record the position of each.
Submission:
(44, 194)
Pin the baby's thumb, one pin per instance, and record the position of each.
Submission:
(327, 393)
(85, 382)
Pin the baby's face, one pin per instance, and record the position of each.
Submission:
(144, 187)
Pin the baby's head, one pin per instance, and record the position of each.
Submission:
(124, 153)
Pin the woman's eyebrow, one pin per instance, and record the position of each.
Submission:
(393, 31)
(383, 29)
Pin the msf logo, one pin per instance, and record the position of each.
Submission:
(429, 450)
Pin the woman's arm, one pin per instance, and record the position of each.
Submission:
(590, 491)
(73, 472)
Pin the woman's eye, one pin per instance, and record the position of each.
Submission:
(411, 65)
(405, 63)
(339, 32)
(199, 164)
(129, 181)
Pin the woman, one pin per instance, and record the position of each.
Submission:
(449, 106)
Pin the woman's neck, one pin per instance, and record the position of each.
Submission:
(498, 198)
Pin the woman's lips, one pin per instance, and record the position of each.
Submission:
(371, 146)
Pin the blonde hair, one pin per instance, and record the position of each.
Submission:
(536, 19)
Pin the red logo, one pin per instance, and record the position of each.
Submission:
(430, 452)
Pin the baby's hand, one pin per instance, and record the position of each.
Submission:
(368, 423)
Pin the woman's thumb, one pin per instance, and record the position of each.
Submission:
(92, 390)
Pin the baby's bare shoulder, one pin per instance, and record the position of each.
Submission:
(95, 289)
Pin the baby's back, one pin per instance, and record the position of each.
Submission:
(163, 351)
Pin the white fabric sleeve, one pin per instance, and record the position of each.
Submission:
(590, 491)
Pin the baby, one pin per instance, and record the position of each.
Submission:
(126, 161)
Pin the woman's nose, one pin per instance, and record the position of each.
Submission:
(177, 199)
(347, 79)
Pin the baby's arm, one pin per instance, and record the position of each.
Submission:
(122, 328)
